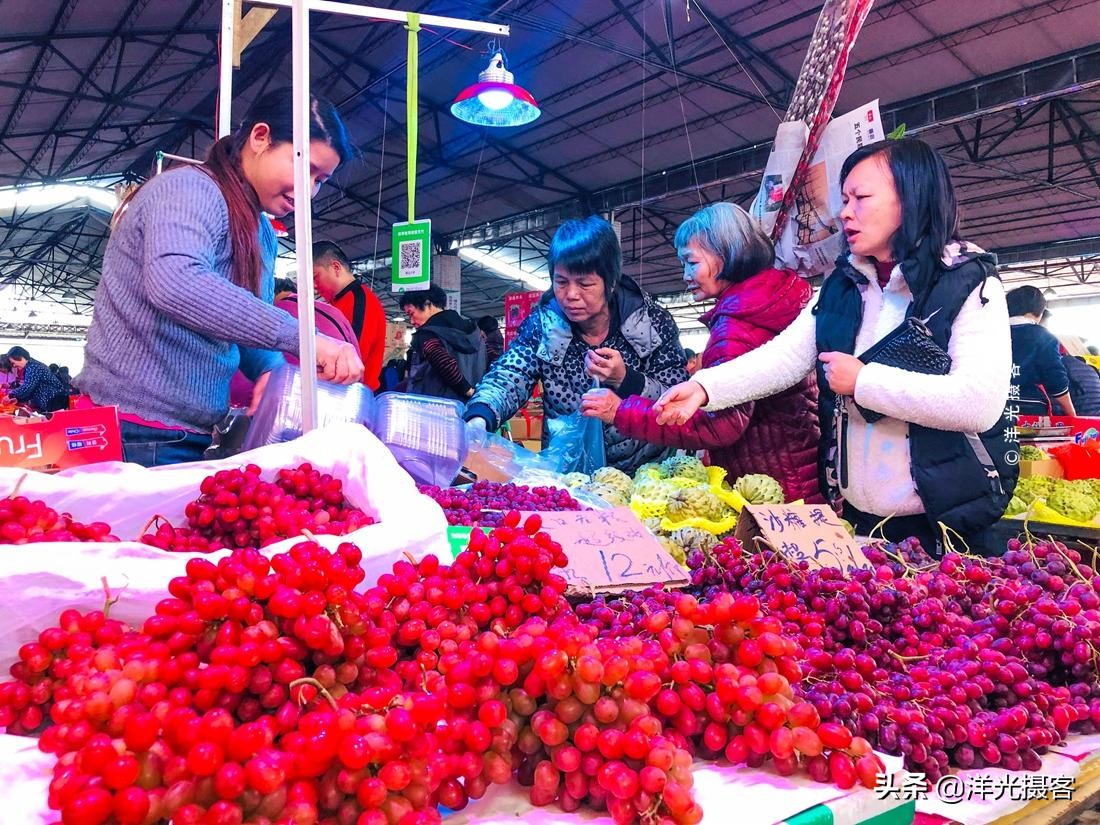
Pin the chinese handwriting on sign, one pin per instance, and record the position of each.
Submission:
(908, 786)
(1012, 416)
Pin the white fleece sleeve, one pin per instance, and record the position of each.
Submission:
(971, 397)
(777, 365)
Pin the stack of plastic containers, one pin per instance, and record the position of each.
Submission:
(426, 435)
(278, 416)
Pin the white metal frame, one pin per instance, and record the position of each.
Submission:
(303, 214)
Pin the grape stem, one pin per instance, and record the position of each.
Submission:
(156, 517)
(309, 680)
(18, 484)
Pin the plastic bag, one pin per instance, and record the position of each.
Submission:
(41, 580)
(576, 444)
(1078, 460)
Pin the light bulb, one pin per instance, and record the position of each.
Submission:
(495, 99)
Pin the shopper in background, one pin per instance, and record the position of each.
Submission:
(1084, 378)
(393, 374)
(187, 284)
(494, 341)
(693, 361)
(1042, 376)
(7, 373)
(447, 357)
(918, 450)
(337, 284)
(727, 259)
(38, 388)
(329, 321)
(595, 324)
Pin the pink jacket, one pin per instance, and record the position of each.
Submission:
(330, 322)
(778, 435)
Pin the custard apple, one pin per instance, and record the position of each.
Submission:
(758, 488)
(612, 495)
(651, 470)
(614, 478)
(1016, 505)
(684, 466)
(691, 538)
(673, 549)
(695, 502)
(572, 480)
(654, 490)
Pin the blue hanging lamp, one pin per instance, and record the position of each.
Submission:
(495, 100)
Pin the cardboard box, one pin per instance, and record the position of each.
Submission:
(68, 438)
(526, 427)
(533, 446)
(1048, 467)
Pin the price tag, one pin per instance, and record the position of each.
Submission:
(801, 532)
(610, 550)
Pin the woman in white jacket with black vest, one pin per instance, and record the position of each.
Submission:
(923, 452)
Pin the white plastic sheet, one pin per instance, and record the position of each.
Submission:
(38, 581)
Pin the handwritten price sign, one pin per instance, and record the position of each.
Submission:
(610, 550)
(801, 532)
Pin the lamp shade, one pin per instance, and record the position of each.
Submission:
(495, 100)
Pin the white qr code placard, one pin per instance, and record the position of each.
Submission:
(410, 248)
(410, 259)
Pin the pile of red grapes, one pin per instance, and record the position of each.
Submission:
(484, 503)
(238, 509)
(27, 521)
(963, 662)
(271, 690)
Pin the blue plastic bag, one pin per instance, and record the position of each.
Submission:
(576, 444)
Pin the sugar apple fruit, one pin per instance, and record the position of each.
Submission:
(692, 538)
(652, 470)
(572, 480)
(695, 502)
(612, 495)
(614, 478)
(1016, 505)
(684, 466)
(758, 488)
(1072, 504)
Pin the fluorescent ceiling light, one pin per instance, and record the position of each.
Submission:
(44, 196)
(504, 268)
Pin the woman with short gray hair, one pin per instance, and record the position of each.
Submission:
(727, 259)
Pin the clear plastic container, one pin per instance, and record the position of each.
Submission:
(278, 417)
(427, 435)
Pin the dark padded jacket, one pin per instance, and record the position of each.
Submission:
(549, 349)
(777, 435)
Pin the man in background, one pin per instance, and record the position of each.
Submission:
(335, 282)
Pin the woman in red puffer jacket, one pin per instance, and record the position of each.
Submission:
(726, 258)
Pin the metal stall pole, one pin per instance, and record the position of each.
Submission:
(303, 214)
(225, 66)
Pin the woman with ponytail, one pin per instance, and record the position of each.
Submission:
(185, 295)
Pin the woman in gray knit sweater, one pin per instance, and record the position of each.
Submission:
(185, 296)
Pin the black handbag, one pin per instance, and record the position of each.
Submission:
(908, 347)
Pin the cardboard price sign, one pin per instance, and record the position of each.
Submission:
(610, 550)
(801, 532)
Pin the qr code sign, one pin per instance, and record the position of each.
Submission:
(409, 259)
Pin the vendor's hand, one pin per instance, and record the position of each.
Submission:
(601, 404)
(338, 361)
(258, 392)
(680, 403)
(841, 371)
(477, 430)
(606, 365)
